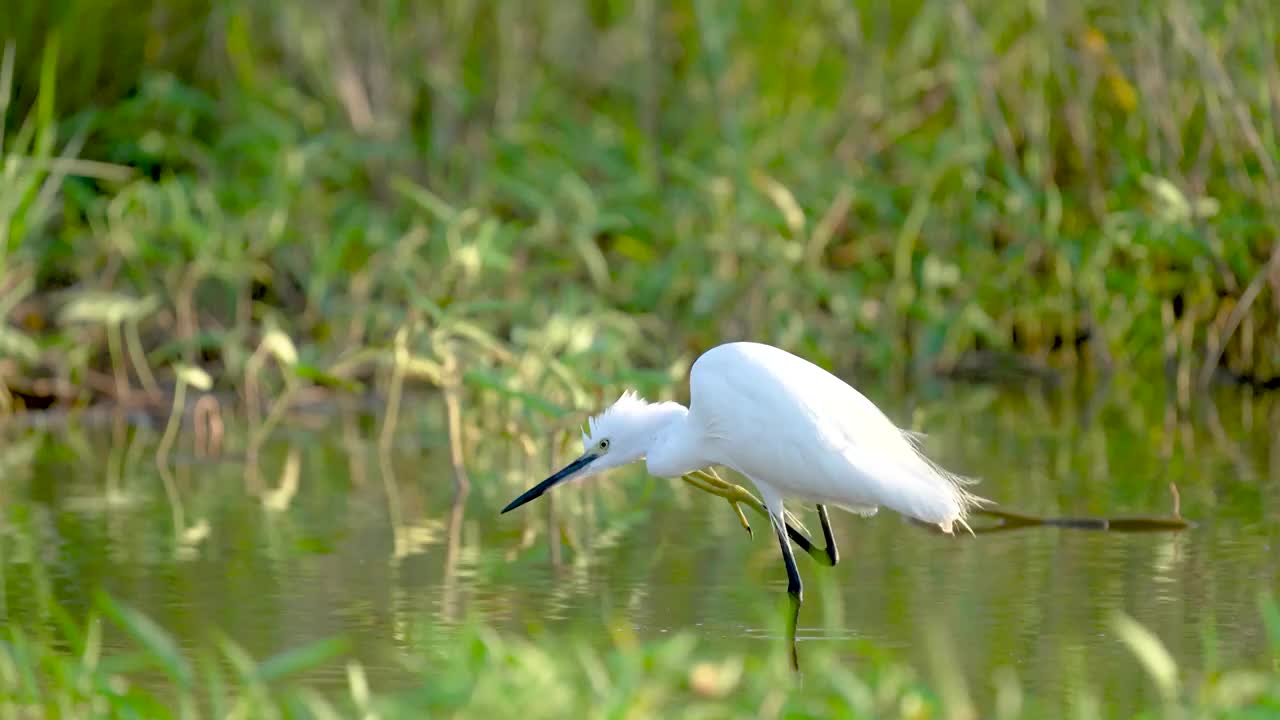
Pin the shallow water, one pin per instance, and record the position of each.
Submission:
(371, 546)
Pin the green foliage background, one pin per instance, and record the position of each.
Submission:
(540, 199)
(963, 185)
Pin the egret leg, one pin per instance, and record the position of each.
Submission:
(830, 555)
(701, 481)
(794, 587)
(709, 482)
(833, 552)
(792, 621)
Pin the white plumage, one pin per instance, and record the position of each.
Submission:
(795, 430)
(798, 431)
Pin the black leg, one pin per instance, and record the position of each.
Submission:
(805, 544)
(793, 618)
(794, 586)
(795, 589)
(833, 553)
(800, 539)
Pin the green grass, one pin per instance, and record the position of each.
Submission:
(620, 185)
(532, 204)
(63, 669)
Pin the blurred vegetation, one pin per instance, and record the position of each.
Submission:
(531, 201)
(555, 196)
(63, 671)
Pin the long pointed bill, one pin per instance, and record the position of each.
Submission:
(566, 473)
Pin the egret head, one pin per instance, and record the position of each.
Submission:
(618, 436)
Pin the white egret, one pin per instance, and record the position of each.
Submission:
(792, 428)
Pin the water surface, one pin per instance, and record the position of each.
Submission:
(371, 544)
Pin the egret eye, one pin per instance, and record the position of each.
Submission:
(604, 444)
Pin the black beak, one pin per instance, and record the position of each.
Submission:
(536, 491)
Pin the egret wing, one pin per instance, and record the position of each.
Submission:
(782, 420)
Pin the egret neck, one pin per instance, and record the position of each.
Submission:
(631, 430)
(679, 444)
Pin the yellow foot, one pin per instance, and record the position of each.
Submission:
(708, 481)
